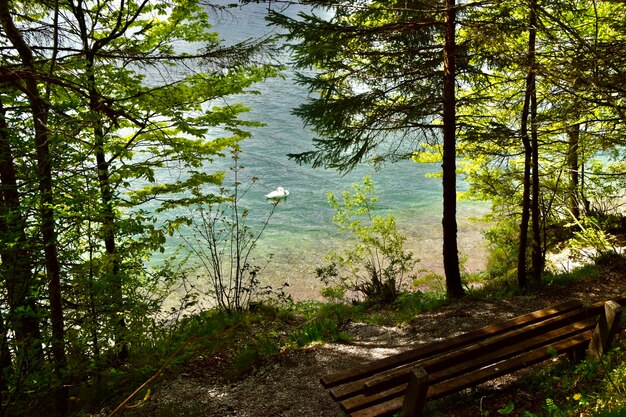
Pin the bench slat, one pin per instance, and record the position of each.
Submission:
(413, 355)
(499, 369)
(380, 387)
(393, 388)
(389, 408)
(450, 357)
(540, 333)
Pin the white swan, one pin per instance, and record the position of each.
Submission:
(277, 194)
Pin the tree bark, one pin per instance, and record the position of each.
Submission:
(108, 219)
(454, 285)
(573, 134)
(9, 272)
(529, 150)
(525, 219)
(106, 193)
(6, 365)
(536, 215)
(39, 111)
(15, 269)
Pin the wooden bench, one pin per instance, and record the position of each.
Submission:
(404, 382)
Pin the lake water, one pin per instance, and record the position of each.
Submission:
(301, 229)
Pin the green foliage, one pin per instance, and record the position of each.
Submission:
(591, 241)
(133, 123)
(578, 274)
(593, 387)
(408, 306)
(250, 355)
(502, 239)
(506, 410)
(334, 293)
(324, 323)
(375, 265)
(378, 75)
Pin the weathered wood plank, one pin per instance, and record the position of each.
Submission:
(503, 368)
(415, 396)
(380, 387)
(449, 357)
(386, 390)
(471, 356)
(605, 330)
(470, 379)
(365, 370)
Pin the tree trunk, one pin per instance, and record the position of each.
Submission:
(9, 269)
(529, 98)
(454, 285)
(15, 269)
(573, 134)
(525, 219)
(108, 221)
(39, 112)
(106, 192)
(537, 252)
(5, 365)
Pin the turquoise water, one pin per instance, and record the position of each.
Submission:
(301, 229)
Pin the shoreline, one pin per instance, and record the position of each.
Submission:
(304, 284)
(294, 262)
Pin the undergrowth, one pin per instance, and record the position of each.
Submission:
(249, 339)
(503, 288)
(594, 387)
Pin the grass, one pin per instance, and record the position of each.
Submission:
(578, 274)
(504, 288)
(254, 337)
(249, 339)
(594, 387)
(405, 308)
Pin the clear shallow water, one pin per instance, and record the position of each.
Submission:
(301, 230)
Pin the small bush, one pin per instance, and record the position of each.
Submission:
(409, 304)
(503, 246)
(249, 356)
(375, 265)
(224, 244)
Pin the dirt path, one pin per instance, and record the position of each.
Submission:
(287, 385)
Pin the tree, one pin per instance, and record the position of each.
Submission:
(541, 156)
(375, 263)
(454, 286)
(105, 102)
(381, 89)
(22, 318)
(41, 136)
(530, 205)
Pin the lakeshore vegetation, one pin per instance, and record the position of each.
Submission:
(526, 99)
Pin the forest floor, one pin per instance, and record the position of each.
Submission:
(287, 384)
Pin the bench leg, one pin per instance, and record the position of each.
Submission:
(415, 396)
(577, 355)
(605, 330)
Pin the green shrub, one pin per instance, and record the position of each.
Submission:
(251, 355)
(409, 304)
(375, 265)
(221, 239)
(594, 387)
(503, 247)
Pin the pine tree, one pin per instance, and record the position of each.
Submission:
(381, 90)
